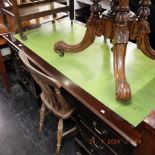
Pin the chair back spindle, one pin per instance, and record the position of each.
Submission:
(51, 94)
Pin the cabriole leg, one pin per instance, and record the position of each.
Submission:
(61, 47)
(121, 37)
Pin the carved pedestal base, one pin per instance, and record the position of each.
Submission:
(119, 26)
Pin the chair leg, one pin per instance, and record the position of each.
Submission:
(4, 74)
(18, 20)
(42, 115)
(59, 136)
(54, 14)
(71, 4)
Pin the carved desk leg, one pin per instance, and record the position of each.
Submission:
(92, 25)
(123, 91)
(144, 29)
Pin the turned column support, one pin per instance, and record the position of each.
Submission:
(123, 91)
(113, 10)
(144, 10)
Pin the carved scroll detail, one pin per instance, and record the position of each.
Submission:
(123, 91)
(61, 46)
(93, 30)
(144, 29)
(144, 45)
(114, 5)
(118, 24)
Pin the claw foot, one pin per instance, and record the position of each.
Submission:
(59, 47)
(23, 37)
(123, 91)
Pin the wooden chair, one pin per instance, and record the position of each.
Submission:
(3, 72)
(52, 99)
(32, 10)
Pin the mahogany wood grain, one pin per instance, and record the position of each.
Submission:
(141, 136)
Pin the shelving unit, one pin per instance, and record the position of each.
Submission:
(32, 10)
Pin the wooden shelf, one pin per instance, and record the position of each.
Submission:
(26, 12)
(34, 10)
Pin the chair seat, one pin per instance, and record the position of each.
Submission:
(67, 108)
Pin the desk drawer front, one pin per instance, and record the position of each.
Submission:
(83, 141)
(98, 126)
(105, 134)
(95, 141)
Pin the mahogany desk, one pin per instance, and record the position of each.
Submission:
(139, 137)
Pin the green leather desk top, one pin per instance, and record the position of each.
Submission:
(92, 69)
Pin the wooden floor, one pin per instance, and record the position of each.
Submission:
(19, 116)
